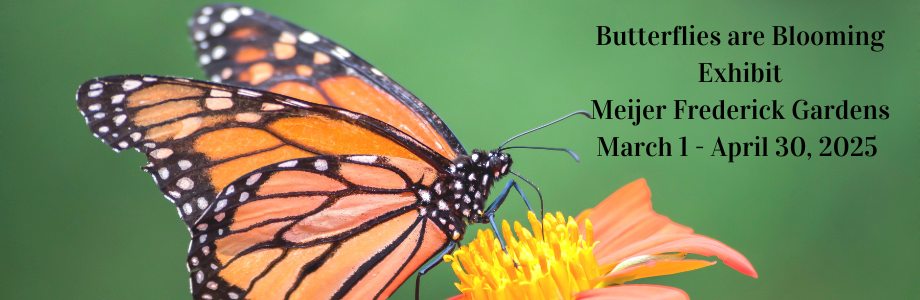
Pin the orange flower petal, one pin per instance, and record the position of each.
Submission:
(690, 243)
(626, 226)
(652, 269)
(626, 217)
(634, 292)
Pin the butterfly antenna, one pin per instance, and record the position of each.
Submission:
(543, 232)
(580, 112)
(569, 151)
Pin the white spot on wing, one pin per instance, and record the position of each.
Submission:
(217, 28)
(187, 208)
(340, 52)
(363, 158)
(321, 165)
(164, 173)
(119, 119)
(95, 107)
(220, 205)
(94, 93)
(220, 93)
(287, 38)
(230, 15)
(252, 179)
(118, 98)
(219, 52)
(184, 164)
(218, 103)
(204, 59)
(288, 164)
(200, 35)
(202, 203)
(246, 11)
(207, 10)
(185, 183)
(244, 196)
(203, 19)
(130, 84)
(271, 106)
(309, 37)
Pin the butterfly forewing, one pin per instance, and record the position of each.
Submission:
(251, 48)
(200, 136)
(324, 227)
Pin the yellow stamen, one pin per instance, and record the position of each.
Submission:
(556, 267)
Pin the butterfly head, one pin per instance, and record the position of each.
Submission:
(496, 162)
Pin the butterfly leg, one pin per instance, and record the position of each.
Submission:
(437, 259)
(490, 211)
(504, 194)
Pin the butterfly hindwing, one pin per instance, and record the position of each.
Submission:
(250, 48)
(199, 136)
(323, 227)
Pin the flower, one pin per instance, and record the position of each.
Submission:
(587, 257)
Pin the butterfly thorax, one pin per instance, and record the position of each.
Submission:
(460, 197)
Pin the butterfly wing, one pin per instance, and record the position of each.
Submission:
(323, 227)
(200, 136)
(251, 48)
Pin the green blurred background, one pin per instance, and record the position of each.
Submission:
(78, 221)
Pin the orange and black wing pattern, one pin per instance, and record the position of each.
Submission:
(250, 48)
(199, 136)
(322, 227)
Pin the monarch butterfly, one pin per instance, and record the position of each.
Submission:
(314, 176)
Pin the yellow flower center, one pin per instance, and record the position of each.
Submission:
(553, 262)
